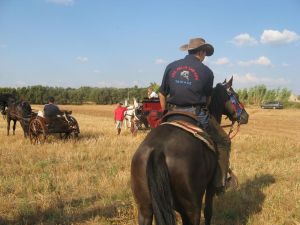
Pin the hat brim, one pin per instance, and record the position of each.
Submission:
(209, 49)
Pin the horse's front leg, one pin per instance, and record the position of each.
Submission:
(14, 126)
(25, 132)
(8, 126)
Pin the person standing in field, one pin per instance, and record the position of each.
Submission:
(119, 116)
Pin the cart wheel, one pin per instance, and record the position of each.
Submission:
(37, 133)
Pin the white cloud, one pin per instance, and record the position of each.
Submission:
(263, 61)
(244, 39)
(82, 59)
(222, 61)
(285, 64)
(96, 71)
(252, 79)
(62, 2)
(160, 61)
(277, 37)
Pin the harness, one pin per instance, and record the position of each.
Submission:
(238, 108)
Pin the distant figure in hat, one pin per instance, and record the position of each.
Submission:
(119, 116)
(188, 83)
(151, 93)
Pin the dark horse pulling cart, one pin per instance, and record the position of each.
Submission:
(40, 127)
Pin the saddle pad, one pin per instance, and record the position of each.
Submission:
(196, 131)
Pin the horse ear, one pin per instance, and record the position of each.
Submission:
(224, 82)
(229, 83)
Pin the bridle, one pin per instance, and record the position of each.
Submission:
(238, 108)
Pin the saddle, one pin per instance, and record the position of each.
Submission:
(188, 122)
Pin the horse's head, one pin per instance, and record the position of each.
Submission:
(234, 109)
(25, 108)
(225, 96)
(24, 111)
(2, 108)
(5, 100)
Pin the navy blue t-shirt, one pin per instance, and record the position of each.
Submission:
(51, 110)
(187, 82)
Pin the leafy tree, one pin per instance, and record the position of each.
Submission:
(284, 95)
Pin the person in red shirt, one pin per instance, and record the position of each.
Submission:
(119, 116)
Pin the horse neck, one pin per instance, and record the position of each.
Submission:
(217, 104)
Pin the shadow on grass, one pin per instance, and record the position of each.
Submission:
(81, 210)
(237, 206)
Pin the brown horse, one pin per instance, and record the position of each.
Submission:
(19, 111)
(171, 169)
(4, 100)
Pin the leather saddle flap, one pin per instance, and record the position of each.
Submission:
(195, 130)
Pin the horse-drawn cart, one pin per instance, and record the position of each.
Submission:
(152, 111)
(40, 127)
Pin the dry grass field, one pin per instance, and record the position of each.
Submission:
(87, 181)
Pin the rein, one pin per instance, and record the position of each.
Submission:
(232, 129)
(19, 118)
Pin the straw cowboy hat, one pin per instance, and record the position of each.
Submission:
(197, 43)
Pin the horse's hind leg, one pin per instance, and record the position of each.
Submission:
(208, 204)
(145, 215)
(192, 217)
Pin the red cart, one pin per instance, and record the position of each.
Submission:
(151, 109)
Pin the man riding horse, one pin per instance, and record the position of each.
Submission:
(187, 86)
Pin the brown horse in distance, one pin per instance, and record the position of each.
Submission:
(19, 111)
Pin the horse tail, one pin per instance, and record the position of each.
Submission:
(160, 188)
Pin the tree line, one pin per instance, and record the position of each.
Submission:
(39, 94)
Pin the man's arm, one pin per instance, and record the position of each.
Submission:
(208, 100)
(209, 87)
(163, 101)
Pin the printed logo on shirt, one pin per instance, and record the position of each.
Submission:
(185, 72)
(183, 82)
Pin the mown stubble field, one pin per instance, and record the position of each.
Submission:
(87, 181)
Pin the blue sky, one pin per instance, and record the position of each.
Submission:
(122, 43)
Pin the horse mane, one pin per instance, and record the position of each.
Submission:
(218, 99)
(7, 98)
(26, 108)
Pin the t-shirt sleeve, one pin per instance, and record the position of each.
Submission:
(164, 88)
(210, 81)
